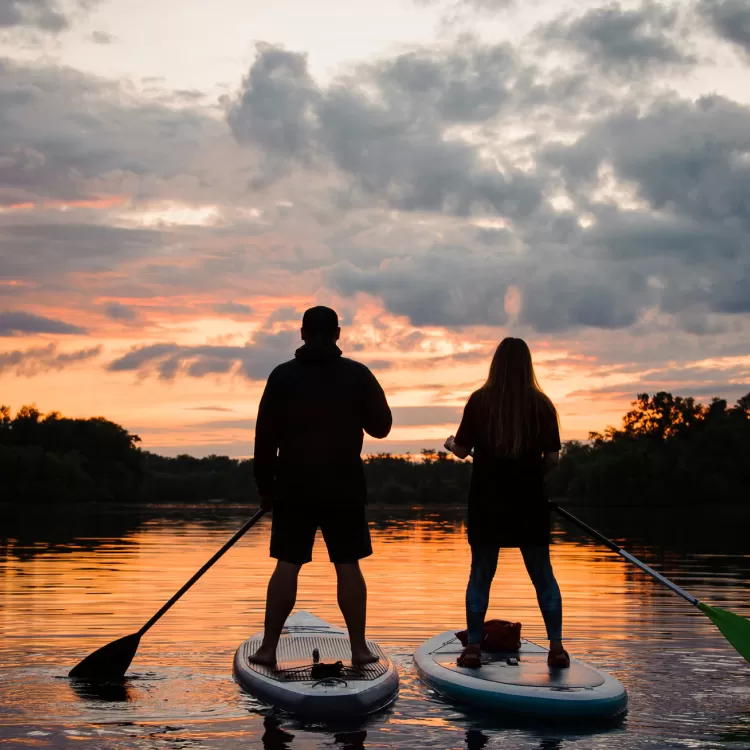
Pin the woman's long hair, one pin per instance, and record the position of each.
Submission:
(515, 401)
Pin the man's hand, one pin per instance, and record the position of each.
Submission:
(449, 443)
(266, 502)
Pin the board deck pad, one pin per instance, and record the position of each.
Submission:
(294, 658)
(531, 671)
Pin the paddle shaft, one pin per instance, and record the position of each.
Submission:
(248, 525)
(625, 554)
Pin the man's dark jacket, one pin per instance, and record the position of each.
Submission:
(313, 413)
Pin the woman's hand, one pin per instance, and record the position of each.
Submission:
(457, 450)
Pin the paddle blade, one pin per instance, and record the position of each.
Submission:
(110, 661)
(734, 628)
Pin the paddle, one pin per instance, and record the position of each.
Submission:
(734, 628)
(111, 661)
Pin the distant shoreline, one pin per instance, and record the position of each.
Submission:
(671, 452)
(106, 507)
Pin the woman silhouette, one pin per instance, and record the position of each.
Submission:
(512, 428)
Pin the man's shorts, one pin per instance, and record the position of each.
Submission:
(344, 527)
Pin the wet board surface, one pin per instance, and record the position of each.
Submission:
(294, 658)
(531, 670)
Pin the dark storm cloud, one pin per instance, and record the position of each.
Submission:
(45, 251)
(565, 300)
(615, 39)
(253, 361)
(690, 161)
(50, 16)
(730, 19)
(61, 129)
(731, 293)
(462, 84)
(45, 15)
(43, 359)
(634, 236)
(384, 127)
(566, 286)
(682, 156)
(276, 107)
(443, 289)
(14, 323)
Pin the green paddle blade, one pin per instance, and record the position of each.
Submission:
(734, 628)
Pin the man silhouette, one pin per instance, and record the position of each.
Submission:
(307, 465)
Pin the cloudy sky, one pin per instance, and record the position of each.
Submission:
(180, 179)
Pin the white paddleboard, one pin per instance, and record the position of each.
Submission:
(520, 682)
(356, 691)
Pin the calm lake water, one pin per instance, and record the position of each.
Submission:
(72, 581)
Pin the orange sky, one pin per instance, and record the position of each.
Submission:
(441, 174)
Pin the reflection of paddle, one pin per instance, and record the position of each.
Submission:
(734, 628)
(104, 691)
(111, 661)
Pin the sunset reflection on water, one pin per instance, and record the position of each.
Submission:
(67, 592)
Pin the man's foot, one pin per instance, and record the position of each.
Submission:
(558, 658)
(470, 657)
(265, 656)
(363, 656)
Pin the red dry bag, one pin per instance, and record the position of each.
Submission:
(497, 635)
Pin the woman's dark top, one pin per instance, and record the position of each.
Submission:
(507, 499)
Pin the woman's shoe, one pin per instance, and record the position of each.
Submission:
(471, 657)
(558, 660)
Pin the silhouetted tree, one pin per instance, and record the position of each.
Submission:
(54, 458)
(670, 450)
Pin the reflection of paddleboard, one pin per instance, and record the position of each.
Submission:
(292, 687)
(520, 682)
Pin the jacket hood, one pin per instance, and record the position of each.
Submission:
(318, 353)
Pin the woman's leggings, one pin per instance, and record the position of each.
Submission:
(483, 567)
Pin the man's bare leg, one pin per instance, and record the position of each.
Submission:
(282, 594)
(352, 596)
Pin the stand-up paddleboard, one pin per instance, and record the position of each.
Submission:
(296, 686)
(520, 682)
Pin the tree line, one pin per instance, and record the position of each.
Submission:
(670, 450)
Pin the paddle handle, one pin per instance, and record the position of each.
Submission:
(248, 525)
(625, 554)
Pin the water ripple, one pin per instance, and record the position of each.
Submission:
(61, 597)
